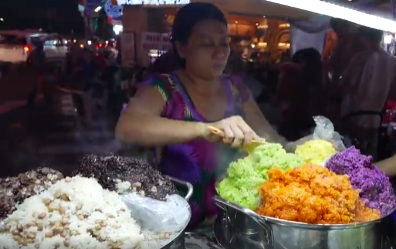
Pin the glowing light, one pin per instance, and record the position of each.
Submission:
(284, 45)
(153, 2)
(338, 11)
(262, 44)
(118, 29)
(388, 39)
(98, 8)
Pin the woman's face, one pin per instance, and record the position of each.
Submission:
(207, 50)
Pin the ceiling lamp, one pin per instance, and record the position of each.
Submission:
(341, 12)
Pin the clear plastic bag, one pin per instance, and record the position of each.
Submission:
(168, 216)
(325, 130)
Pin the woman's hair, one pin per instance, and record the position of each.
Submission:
(166, 63)
(312, 68)
(306, 55)
(189, 16)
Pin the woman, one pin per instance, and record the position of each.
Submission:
(174, 110)
(38, 60)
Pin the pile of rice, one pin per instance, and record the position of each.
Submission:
(73, 213)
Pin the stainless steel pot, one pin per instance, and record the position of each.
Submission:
(178, 241)
(262, 232)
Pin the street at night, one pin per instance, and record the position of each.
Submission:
(198, 124)
(33, 136)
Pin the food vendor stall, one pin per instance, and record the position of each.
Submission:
(321, 196)
(151, 20)
(275, 199)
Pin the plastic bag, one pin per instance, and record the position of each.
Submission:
(325, 130)
(169, 216)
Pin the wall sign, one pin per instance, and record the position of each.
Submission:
(115, 11)
(159, 41)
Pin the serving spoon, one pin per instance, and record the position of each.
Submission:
(249, 147)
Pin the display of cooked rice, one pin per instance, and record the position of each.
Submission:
(126, 175)
(14, 190)
(313, 194)
(72, 213)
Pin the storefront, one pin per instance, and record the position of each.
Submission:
(249, 32)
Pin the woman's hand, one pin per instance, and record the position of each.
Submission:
(236, 132)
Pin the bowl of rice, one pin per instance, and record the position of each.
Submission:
(75, 213)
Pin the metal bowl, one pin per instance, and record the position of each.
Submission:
(268, 232)
(178, 241)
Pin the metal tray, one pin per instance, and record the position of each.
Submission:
(178, 242)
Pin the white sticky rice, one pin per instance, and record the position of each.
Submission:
(73, 213)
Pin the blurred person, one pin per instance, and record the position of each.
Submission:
(295, 102)
(173, 111)
(71, 60)
(119, 50)
(285, 56)
(236, 69)
(88, 69)
(307, 55)
(311, 66)
(347, 45)
(38, 61)
(366, 85)
(313, 77)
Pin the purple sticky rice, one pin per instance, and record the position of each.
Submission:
(375, 188)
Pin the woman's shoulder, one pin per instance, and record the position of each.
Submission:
(163, 83)
(157, 80)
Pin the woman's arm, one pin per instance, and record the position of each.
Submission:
(388, 166)
(142, 123)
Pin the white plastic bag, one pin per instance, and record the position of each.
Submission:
(168, 216)
(325, 130)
